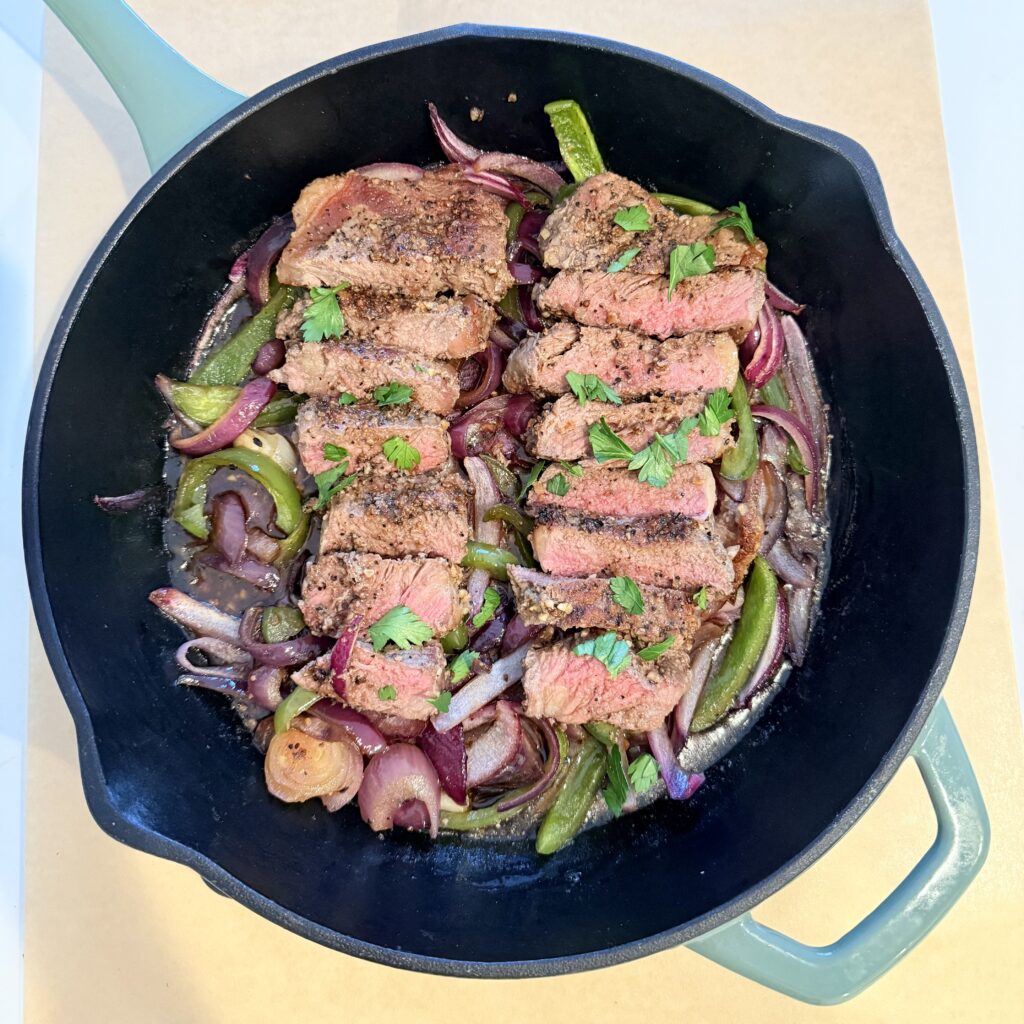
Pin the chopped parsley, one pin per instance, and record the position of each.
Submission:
(558, 486)
(689, 261)
(608, 649)
(653, 651)
(535, 472)
(400, 453)
(331, 482)
(588, 387)
(387, 693)
(626, 594)
(392, 394)
(617, 790)
(716, 413)
(633, 218)
(622, 261)
(441, 701)
(656, 462)
(740, 219)
(346, 398)
(334, 452)
(643, 773)
(402, 626)
(606, 444)
(487, 609)
(571, 468)
(700, 599)
(460, 666)
(323, 318)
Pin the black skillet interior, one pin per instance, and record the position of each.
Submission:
(171, 773)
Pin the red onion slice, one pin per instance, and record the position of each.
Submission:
(490, 379)
(535, 173)
(767, 357)
(198, 616)
(525, 273)
(700, 668)
(490, 754)
(479, 580)
(262, 547)
(497, 185)
(251, 401)
(799, 603)
(529, 309)
(395, 727)
(517, 633)
(261, 258)
(264, 686)
(489, 414)
(801, 438)
(235, 663)
(482, 689)
(391, 172)
(227, 533)
(776, 504)
(398, 774)
(803, 385)
(127, 502)
(342, 653)
(367, 737)
(237, 271)
(413, 815)
(447, 753)
(457, 150)
(269, 357)
(771, 657)
(216, 684)
(551, 765)
(249, 570)
(780, 300)
(504, 341)
(485, 496)
(529, 229)
(677, 782)
(285, 654)
(788, 567)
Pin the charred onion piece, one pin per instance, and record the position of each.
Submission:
(398, 775)
(299, 767)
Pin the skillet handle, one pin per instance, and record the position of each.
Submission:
(168, 98)
(826, 975)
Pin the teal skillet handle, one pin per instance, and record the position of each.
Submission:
(831, 974)
(169, 100)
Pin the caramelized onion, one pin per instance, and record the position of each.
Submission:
(493, 359)
(679, 784)
(771, 657)
(447, 753)
(358, 726)
(227, 533)
(251, 400)
(490, 754)
(234, 663)
(457, 150)
(341, 653)
(397, 775)
(262, 257)
(482, 689)
(780, 300)
(299, 767)
(535, 173)
(264, 686)
(197, 616)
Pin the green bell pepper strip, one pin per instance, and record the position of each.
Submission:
(739, 462)
(514, 214)
(747, 645)
(281, 622)
(603, 733)
(509, 304)
(508, 483)
(487, 556)
(231, 363)
(681, 204)
(206, 403)
(564, 192)
(455, 639)
(295, 703)
(519, 522)
(774, 393)
(486, 817)
(191, 495)
(292, 544)
(567, 814)
(576, 141)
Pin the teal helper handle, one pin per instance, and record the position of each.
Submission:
(169, 99)
(831, 974)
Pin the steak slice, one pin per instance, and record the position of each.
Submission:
(361, 431)
(634, 365)
(326, 370)
(415, 674)
(413, 238)
(668, 551)
(340, 586)
(575, 689)
(727, 300)
(570, 603)
(613, 490)
(560, 431)
(426, 514)
(581, 233)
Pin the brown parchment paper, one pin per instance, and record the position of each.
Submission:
(113, 935)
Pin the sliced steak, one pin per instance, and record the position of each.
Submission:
(576, 689)
(415, 674)
(634, 365)
(560, 432)
(668, 551)
(610, 489)
(570, 603)
(339, 586)
(427, 514)
(581, 233)
(727, 300)
(361, 431)
(413, 238)
(319, 369)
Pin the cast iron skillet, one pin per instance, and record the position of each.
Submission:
(169, 772)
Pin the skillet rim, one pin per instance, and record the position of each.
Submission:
(139, 837)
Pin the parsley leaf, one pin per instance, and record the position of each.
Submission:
(612, 652)
(656, 461)
(346, 398)
(323, 318)
(626, 594)
(643, 773)
(606, 444)
(331, 482)
(700, 599)
(571, 468)
(633, 218)
(535, 472)
(403, 627)
(622, 261)
(740, 219)
(716, 412)
(460, 666)
(441, 701)
(689, 261)
(558, 486)
(487, 609)
(654, 651)
(387, 693)
(392, 394)
(400, 453)
(334, 452)
(588, 387)
(617, 791)
(681, 437)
